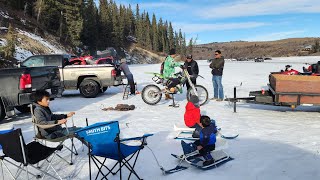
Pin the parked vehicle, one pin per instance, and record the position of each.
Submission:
(89, 79)
(18, 84)
(87, 60)
(258, 60)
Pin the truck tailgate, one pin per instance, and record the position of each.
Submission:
(45, 77)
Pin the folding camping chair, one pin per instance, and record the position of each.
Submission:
(103, 141)
(60, 140)
(15, 148)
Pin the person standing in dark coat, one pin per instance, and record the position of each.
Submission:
(125, 69)
(193, 70)
(217, 66)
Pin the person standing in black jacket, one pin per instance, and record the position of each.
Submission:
(193, 70)
(217, 66)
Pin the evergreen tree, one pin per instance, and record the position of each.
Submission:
(9, 49)
(115, 25)
(48, 14)
(190, 46)
(17, 4)
(89, 32)
(176, 44)
(181, 43)
(74, 21)
(166, 46)
(138, 26)
(121, 29)
(316, 47)
(171, 36)
(155, 38)
(79, 22)
(104, 25)
(147, 26)
(184, 45)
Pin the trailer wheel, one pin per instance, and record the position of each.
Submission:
(2, 111)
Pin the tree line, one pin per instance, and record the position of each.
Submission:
(81, 23)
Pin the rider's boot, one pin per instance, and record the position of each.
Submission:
(168, 96)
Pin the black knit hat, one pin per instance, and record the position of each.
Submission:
(172, 51)
(195, 100)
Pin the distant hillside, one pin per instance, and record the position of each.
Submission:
(243, 49)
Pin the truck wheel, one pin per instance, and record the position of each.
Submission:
(2, 111)
(23, 109)
(89, 88)
(104, 89)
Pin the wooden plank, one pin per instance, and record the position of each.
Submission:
(295, 83)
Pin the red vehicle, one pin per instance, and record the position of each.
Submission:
(290, 72)
(313, 69)
(108, 56)
(86, 60)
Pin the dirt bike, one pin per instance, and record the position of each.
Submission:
(151, 94)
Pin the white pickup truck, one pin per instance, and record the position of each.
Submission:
(89, 79)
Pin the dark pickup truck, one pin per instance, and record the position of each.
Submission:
(18, 84)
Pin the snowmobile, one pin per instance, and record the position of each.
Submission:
(152, 94)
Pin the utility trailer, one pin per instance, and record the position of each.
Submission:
(285, 90)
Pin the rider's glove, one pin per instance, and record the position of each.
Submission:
(182, 67)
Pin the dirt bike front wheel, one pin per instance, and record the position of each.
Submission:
(202, 94)
(151, 94)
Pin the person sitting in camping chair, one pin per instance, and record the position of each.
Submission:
(44, 116)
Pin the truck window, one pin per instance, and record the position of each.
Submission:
(35, 61)
(53, 60)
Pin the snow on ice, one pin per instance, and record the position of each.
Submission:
(274, 143)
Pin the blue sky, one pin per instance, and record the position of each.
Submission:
(232, 20)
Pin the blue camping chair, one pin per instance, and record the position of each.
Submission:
(102, 140)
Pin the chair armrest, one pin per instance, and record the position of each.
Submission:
(46, 126)
(136, 138)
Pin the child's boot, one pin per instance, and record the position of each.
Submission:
(208, 159)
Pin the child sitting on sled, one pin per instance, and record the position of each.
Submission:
(192, 116)
(207, 140)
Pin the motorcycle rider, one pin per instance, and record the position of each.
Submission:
(169, 70)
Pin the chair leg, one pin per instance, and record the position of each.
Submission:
(94, 159)
(131, 170)
(99, 168)
(120, 170)
(27, 172)
(49, 161)
(6, 167)
(20, 169)
(2, 171)
(134, 165)
(126, 160)
(129, 167)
